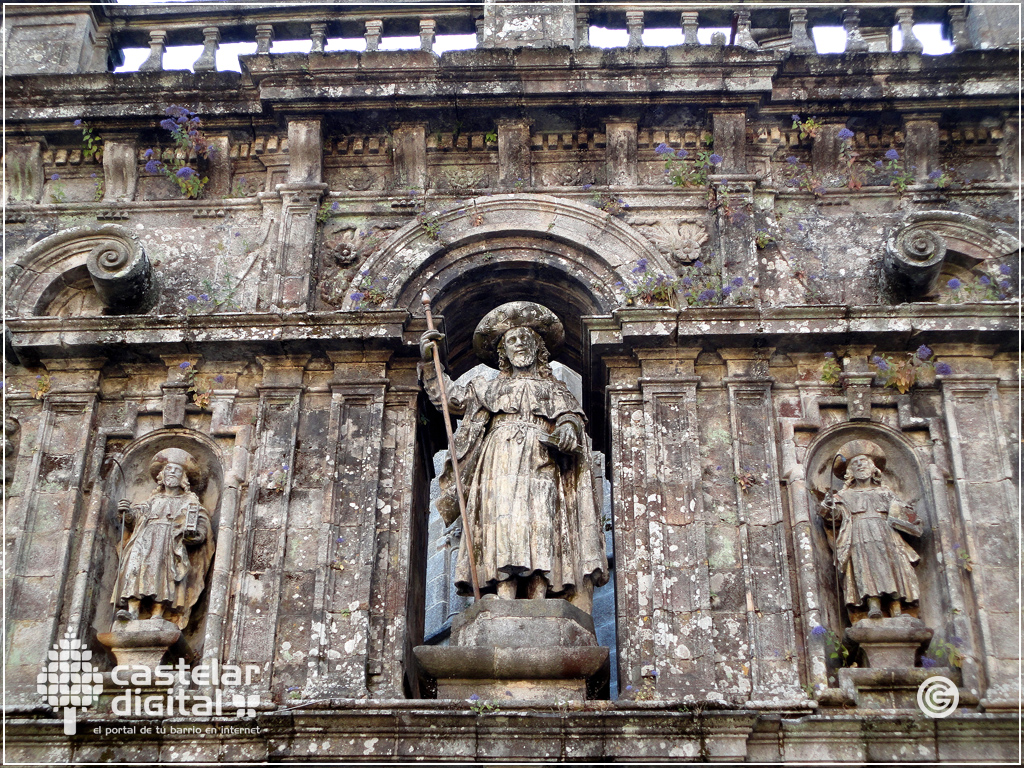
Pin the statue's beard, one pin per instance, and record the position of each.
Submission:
(521, 359)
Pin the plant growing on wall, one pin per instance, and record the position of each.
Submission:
(901, 375)
(191, 147)
(830, 369)
(682, 171)
(808, 128)
(92, 143)
(978, 288)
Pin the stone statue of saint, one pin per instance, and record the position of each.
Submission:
(166, 546)
(525, 465)
(874, 559)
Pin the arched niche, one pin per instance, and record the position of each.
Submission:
(907, 476)
(82, 271)
(127, 477)
(573, 258)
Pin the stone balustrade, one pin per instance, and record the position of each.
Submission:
(868, 28)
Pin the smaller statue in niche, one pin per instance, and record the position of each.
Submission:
(874, 561)
(166, 546)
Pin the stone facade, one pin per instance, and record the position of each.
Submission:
(759, 254)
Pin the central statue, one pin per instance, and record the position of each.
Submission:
(525, 463)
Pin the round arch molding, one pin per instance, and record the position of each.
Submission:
(573, 258)
(109, 260)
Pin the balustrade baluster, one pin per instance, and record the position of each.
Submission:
(264, 37)
(207, 61)
(157, 45)
(635, 24)
(800, 41)
(428, 28)
(689, 24)
(855, 42)
(318, 36)
(958, 25)
(743, 37)
(374, 29)
(905, 18)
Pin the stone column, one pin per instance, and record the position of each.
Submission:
(514, 164)
(428, 28)
(348, 529)
(730, 134)
(410, 144)
(922, 144)
(317, 37)
(762, 531)
(399, 569)
(42, 533)
(374, 28)
(905, 19)
(688, 20)
(259, 576)
(120, 168)
(300, 199)
(24, 166)
(620, 153)
(635, 25)
(989, 510)
(676, 527)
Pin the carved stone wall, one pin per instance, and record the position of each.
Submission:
(750, 275)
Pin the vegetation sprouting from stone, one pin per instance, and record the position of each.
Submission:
(191, 149)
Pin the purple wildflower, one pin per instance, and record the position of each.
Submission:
(184, 365)
(706, 295)
(153, 166)
(185, 172)
(819, 630)
(878, 163)
(687, 281)
(892, 154)
(169, 125)
(796, 118)
(77, 122)
(190, 297)
(698, 264)
(357, 296)
(880, 363)
(663, 149)
(792, 160)
(92, 175)
(629, 687)
(204, 297)
(954, 284)
(737, 282)
(845, 133)
(715, 159)
(1004, 269)
(55, 177)
(935, 175)
(943, 369)
(335, 206)
(830, 355)
(641, 266)
(985, 280)
(956, 546)
(727, 290)
(1004, 284)
(923, 352)
(219, 378)
(474, 697)
(588, 186)
(148, 153)
(682, 153)
(928, 663)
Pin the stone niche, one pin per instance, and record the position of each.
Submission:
(128, 477)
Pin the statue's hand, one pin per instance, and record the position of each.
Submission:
(427, 342)
(564, 437)
(124, 505)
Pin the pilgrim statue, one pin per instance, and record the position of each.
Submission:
(524, 461)
(166, 545)
(874, 560)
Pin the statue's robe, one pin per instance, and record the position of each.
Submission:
(530, 508)
(159, 559)
(874, 559)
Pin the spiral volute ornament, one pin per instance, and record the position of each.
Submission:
(913, 259)
(121, 274)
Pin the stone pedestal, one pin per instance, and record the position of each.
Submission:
(534, 650)
(140, 643)
(890, 648)
(890, 643)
